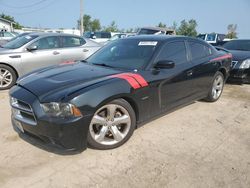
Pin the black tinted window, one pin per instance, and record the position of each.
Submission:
(127, 54)
(243, 45)
(175, 51)
(199, 50)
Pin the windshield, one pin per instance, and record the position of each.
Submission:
(243, 45)
(125, 54)
(20, 41)
(211, 37)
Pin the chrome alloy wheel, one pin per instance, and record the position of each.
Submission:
(110, 124)
(217, 87)
(6, 78)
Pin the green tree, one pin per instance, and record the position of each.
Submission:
(16, 25)
(231, 31)
(89, 24)
(161, 25)
(112, 27)
(187, 28)
(86, 22)
(95, 25)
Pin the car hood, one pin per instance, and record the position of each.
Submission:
(4, 51)
(65, 79)
(239, 55)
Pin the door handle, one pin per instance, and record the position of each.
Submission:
(85, 50)
(55, 53)
(189, 73)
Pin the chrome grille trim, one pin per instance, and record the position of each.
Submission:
(23, 112)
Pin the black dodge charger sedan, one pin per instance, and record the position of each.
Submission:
(240, 50)
(99, 102)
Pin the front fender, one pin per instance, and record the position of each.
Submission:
(88, 100)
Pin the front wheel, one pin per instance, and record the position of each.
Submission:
(112, 125)
(7, 77)
(216, 88)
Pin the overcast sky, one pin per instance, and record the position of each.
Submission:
(211, 15)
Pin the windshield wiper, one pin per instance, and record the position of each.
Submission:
(240, 49)
(103, 65)
(84, 61)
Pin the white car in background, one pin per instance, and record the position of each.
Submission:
(37, 50)
(98, 36)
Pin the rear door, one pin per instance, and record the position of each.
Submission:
(74, 48)
(203, 70)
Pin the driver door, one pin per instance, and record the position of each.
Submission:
(45, 52)
(175, 86)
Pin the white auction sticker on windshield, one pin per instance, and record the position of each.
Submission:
(147, 43)
(28, 37)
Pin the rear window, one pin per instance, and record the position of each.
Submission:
(71, 41)
(199, 50)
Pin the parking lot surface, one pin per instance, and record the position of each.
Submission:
(200, 145)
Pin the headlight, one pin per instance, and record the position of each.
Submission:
(245, 64)
(62, 110)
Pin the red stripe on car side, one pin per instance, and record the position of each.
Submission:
(132, 82)
(67, 62)
(222, 57)
(139, 79)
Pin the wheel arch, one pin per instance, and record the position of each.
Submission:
(224, 72)
(125, 97)
(1, 63)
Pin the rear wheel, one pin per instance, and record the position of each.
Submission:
(7, 77)
(112, 125)
(216, 88)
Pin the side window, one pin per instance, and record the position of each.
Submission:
(69, 41)
(199, 50)
(47, 43)
(175, 51)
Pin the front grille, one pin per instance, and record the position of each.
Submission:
(234, 64)
(22, 112)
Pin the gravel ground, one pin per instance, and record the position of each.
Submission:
(201, 145)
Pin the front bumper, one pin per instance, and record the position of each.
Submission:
(63, 134)
(239, 75)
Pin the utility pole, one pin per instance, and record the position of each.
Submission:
(81, 17)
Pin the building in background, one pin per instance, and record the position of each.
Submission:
(6, 25)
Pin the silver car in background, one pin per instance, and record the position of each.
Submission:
(38, 50)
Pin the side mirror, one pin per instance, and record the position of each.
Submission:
(32, 48)
(164, 64)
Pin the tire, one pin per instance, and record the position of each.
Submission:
(112, 125)
(8, 77)
(216, 87)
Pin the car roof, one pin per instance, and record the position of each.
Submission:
(158, 28)
(157, 37)
(40, 34)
